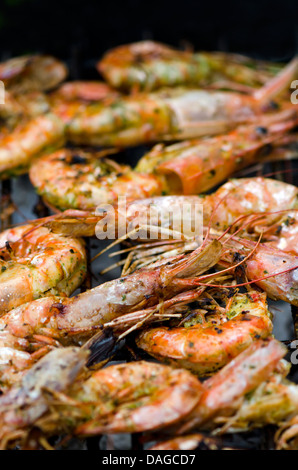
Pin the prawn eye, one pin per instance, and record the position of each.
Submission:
(77, 159)
(274, 105)
(8, 247)
(238, 257)
(260, 130)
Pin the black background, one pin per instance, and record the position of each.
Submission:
(80, 31)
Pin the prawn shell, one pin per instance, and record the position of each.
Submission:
(32, 72)
(204, 348)
(245, 196)
(28, 141)
(81, 180)
(198, 165)
(40, 263)
(147, 65)
(150, 396)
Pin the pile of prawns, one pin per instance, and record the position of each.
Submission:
(195, 308)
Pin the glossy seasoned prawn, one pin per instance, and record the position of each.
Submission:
(172, 114)
(148, 65)
(78, 179)
(32, 73)
(28, 141)
(36, 262)
(274, 270)
(272, 402)
(149, 396)
(276, 203)
(207, 341)
(260, 205)
(195, 166)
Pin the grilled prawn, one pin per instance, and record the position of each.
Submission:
(262, 205)
(172, 114)
(75, 178)
(210, 339)
(41, 134)
(35, 262)
(32, 73)
(148, 65)
(196, 166)
(226, 390)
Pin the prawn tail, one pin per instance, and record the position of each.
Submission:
(102, 346)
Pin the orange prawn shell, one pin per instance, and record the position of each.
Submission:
(66, 183)
(204, 348)
(147, 396)
(37, 262)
